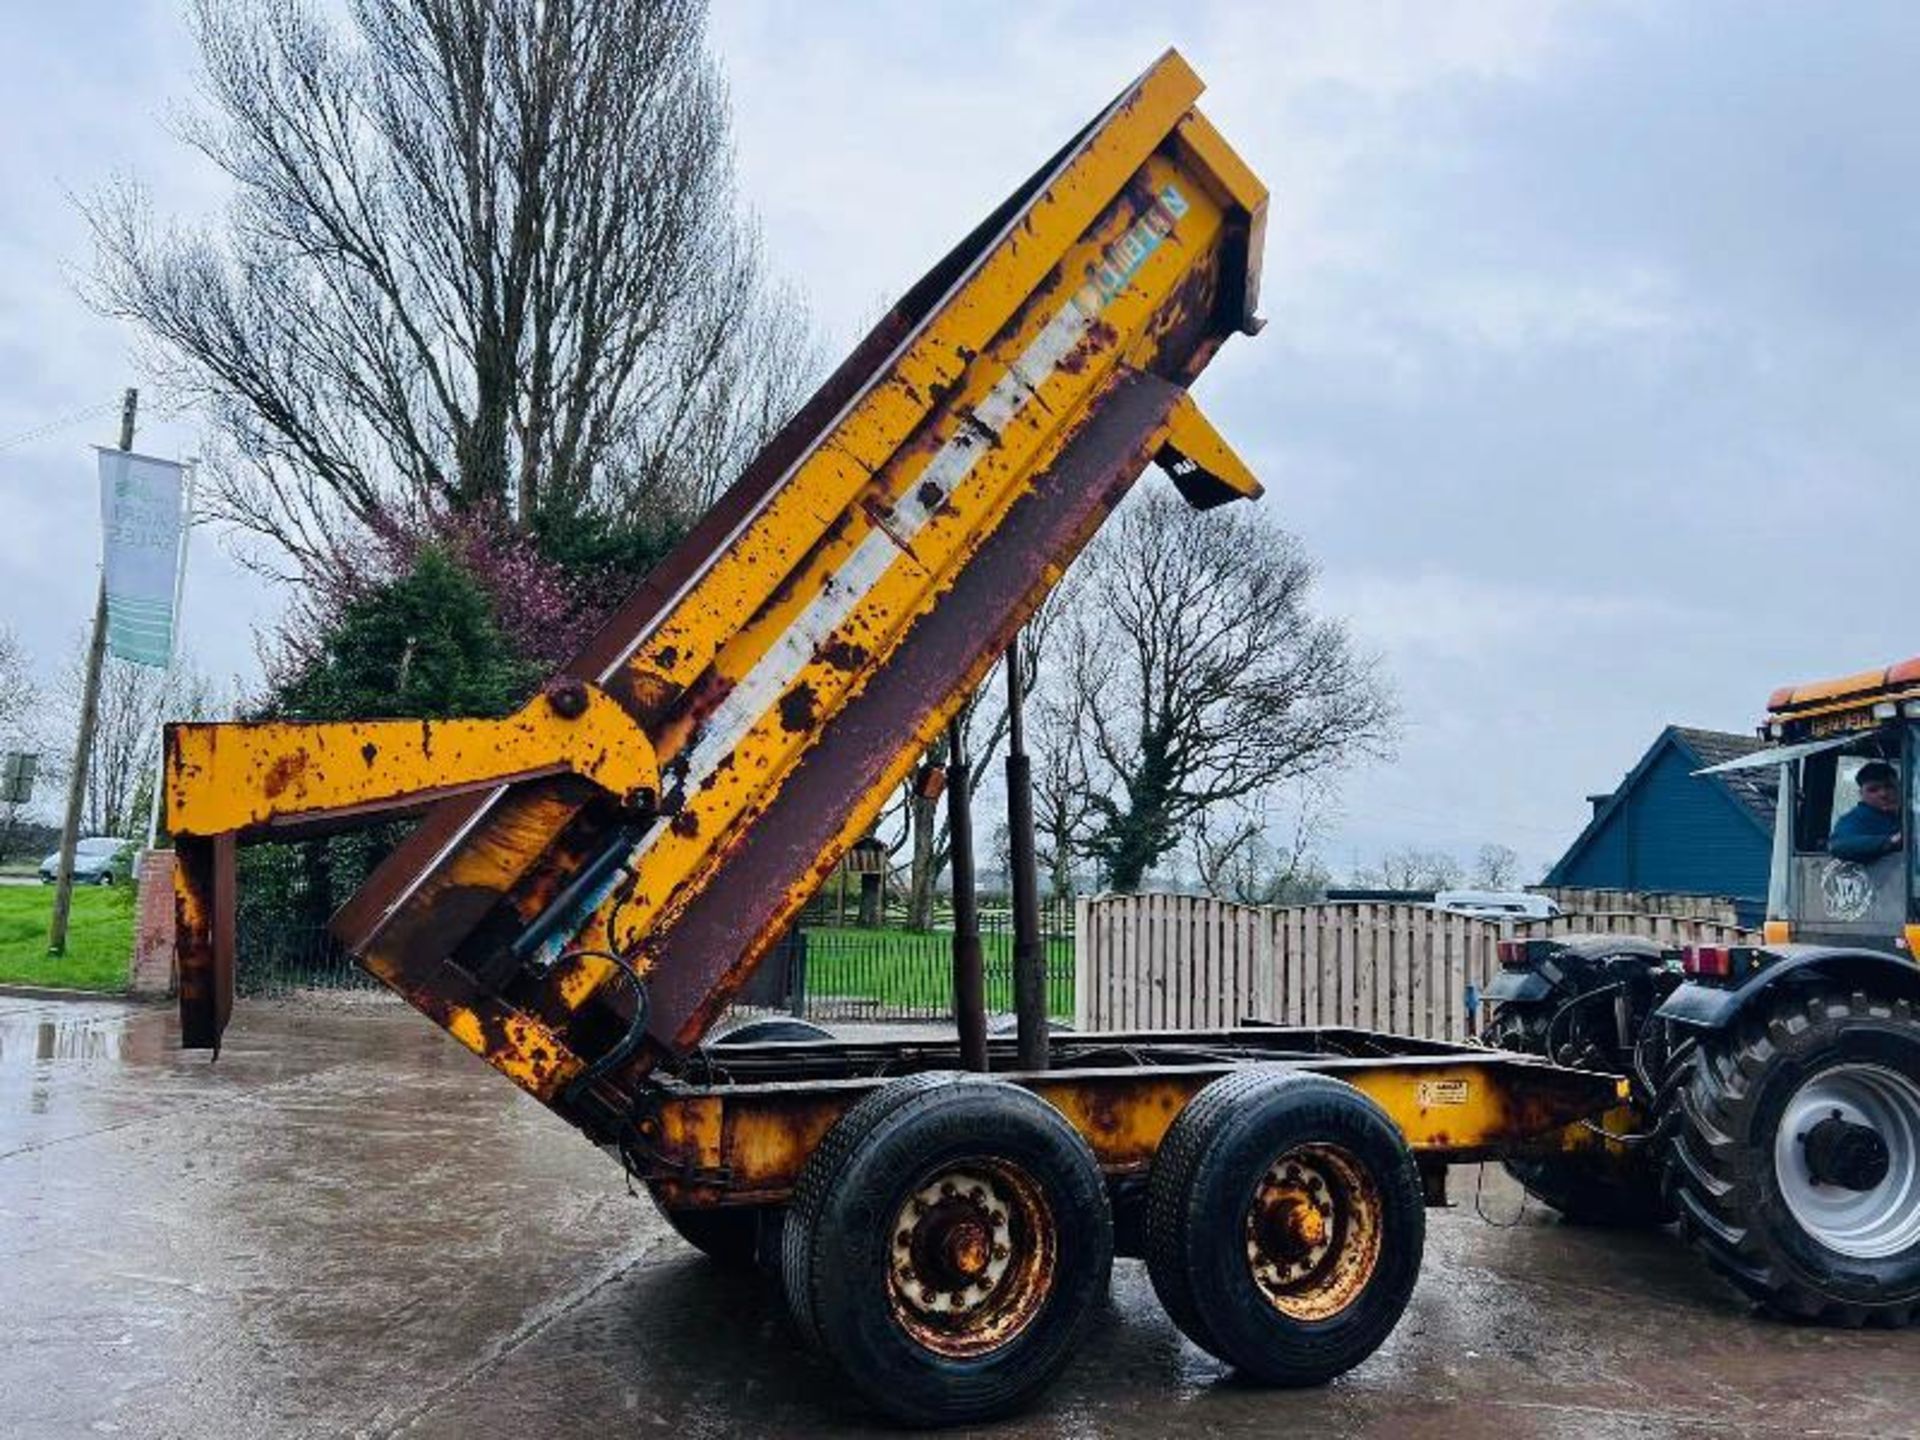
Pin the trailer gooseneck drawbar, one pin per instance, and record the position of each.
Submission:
(593, 878)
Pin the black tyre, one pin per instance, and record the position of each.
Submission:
(1614, 1185)
(727, 1236)
(1797, 1165)
(1285, 1224)
(731, 1236)
(1002, 1026)
(1595, 1190)
(765, 1030)
(946, 1246)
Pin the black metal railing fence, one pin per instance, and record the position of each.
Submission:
(828, 970)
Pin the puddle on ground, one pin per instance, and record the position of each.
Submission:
(36, 1038)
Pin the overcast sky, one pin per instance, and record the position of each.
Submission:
(1590, 377)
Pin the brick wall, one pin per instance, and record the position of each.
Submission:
(153, 925)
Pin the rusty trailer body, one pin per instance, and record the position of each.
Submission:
(736, 1126)
(593, 879)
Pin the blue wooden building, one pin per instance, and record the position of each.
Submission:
(1667, 829)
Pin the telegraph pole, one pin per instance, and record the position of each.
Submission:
(83, 747)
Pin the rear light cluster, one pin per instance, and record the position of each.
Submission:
(1523, 954)
(1716, 962)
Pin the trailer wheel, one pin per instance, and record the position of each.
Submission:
(765, 1030)
(946, 1245)
(1285, 1224)
(1797, 1166)
(730, 1235)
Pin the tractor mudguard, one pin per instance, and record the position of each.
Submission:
(1549, 961)
(1517, 985)
(1701, 1006)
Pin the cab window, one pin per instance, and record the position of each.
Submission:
(1829, 787)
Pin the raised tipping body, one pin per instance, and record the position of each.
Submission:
(595, 878)
(794, 657)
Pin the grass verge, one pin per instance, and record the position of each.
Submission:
(99, 938)
(903, 970)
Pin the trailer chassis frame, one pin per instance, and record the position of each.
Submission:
(733, 1125)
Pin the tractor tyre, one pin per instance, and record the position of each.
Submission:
(1797, 1163)
(765, 1030)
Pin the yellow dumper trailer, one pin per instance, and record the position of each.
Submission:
(1775, 1086)
(592, 879)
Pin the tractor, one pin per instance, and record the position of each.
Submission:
(1775, 1108)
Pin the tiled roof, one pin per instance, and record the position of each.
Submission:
(1757, 789)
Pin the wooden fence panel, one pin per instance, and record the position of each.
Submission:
(1187, 962)
(1576, 900)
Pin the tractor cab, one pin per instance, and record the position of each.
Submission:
(1844, 870)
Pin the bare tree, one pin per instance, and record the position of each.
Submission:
(19, 697)
(22, 729)
(1496, 867)
(1063, 811)
(1204, 676)
(482, 255)
(135, 701)
(1411, 868)
(1242, 853)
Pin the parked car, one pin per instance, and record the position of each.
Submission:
(1496, 904)
(97, 860)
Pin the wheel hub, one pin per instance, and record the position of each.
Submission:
(951, 1244)
(1292, 1225)
(1844, 1154)
(1313, 1232)
(971, 1256)
(1846, 1159)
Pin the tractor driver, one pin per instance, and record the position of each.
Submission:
(1872, 828)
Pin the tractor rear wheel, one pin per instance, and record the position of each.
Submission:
(1797, 1165)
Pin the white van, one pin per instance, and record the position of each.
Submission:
(1496, 904)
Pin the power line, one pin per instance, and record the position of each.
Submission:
(61, 424)
(89, 413)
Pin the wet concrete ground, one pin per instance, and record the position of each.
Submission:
(350, 1226)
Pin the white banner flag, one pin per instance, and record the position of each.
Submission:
(141, 513)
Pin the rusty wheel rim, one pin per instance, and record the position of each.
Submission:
(1313, 1231)
(971, 1257)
